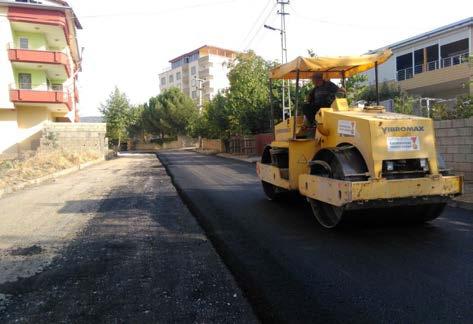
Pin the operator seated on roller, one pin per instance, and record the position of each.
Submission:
(321, 96)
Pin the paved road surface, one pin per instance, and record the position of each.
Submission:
(295, 271)
(112, 243)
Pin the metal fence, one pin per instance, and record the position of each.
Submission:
(445, 62)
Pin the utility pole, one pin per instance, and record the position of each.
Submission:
(286, 109)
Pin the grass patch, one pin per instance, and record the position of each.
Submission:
(13, 172)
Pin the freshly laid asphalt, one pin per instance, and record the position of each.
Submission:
(293, 270)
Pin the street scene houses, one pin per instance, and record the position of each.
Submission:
(312, 188)
(200, 74)
(40, 61)
(434, 64)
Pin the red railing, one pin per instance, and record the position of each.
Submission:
(34, 56)
(39, 96)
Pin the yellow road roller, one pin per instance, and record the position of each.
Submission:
(355, 159)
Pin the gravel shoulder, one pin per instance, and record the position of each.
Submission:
(112, 243)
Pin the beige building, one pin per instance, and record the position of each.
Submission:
(434, 64)
(201, 72)
(40, 60)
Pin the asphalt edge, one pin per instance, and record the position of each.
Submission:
(256, 300)
(55, 175)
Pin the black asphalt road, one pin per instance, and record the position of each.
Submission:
(292, 270)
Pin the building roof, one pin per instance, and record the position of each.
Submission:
(62, 5)
(453, 26)
(197, 51)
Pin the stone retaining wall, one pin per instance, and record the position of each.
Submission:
(181, 142)
(455, 144)
(74, 137)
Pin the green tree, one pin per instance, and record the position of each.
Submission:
(169, 113)
(386, 91)
(248, 93)
(464, 107)
(356, 86)
(116, 112)
(136, 123)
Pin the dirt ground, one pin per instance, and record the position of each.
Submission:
(112, 243)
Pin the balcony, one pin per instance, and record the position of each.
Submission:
(444, 63)
(40, 57)
(25, 95)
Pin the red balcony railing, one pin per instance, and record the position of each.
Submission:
(45, 57)
(41, 96)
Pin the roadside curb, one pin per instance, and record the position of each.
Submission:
(51, 176)
(241, 158)
(252, 159)
(461, 204)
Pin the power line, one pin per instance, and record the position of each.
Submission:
(333, 23)
(256, 21)
(157, 13)
(260, 27)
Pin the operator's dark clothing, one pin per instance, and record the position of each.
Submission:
(319, 97)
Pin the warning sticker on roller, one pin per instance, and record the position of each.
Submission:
(346, 127)
(403, 144)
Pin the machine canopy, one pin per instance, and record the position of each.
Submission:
(335, 67)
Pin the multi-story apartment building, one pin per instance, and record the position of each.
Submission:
(201, 72)
(40, 59)
(434, 64)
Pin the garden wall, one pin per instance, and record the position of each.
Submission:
(455, 144)
(215, 145)
(74, 137)
(181, 142)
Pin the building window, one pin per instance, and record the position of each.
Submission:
(194, 94)
(454, 53)
(404, 67)
(24, 81)
(193, 70)
(56, 87)
(178, 76)
(24, 43)
(171, 78)
(163, 81)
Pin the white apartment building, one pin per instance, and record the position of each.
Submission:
(201, 72)
(433, 64)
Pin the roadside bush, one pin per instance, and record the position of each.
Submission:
(404, 104)
(464, 107)
(440, 111)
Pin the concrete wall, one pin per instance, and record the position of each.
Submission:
(30, 125)
(20, 129)
(77, 137)
(8, 133)
(216, 145)
(6, 75)
(181, 142)
(455, 144)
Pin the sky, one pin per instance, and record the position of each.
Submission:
(128, 43)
